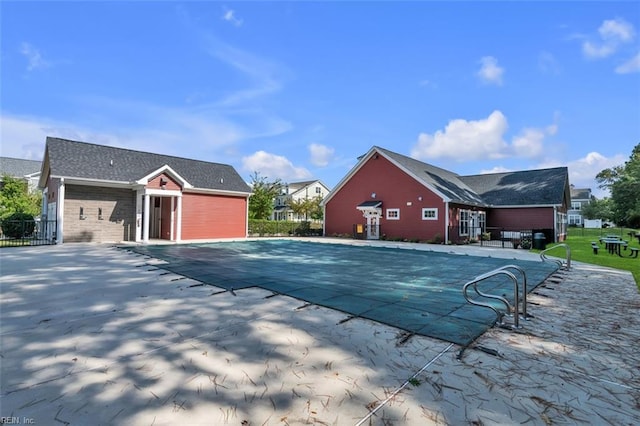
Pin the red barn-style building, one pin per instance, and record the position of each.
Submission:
(389, 195)
(104, 194)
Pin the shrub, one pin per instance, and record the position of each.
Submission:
(18, 225)
(265, 227)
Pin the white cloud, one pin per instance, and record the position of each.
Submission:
(593, 51)
(547, 63)
(496, 169)
(23, 137)
(490, 72)
(273, 166)
(613, 33)
(192, 132)
(265, 77)
(34, 57)
(630, 66)
(230, 16)
(582, 172)
(616, 29)
(321, 155)
(464, 140)
(529, 143)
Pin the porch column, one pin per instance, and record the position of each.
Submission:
(145, 220)
(173, 219)
(179, 219)
(139, 195)
(60, 213)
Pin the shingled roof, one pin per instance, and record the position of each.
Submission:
(445, 182)
(543, 187)
(86, 161)
(580, 193)
(18, 168)
(521, 188)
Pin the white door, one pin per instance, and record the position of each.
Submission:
(373, 226)
(474, 225)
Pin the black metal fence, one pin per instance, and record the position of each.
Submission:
(28, 233)
(501, 237)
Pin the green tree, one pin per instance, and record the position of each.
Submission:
(317, 213)
(598, 209)
(309, 207)
(264, 193)
(624, 184)
(16, 198)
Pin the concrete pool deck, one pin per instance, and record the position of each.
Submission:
(95, 335)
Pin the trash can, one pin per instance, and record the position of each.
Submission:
(539, 241)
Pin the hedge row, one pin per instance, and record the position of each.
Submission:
(265, 228)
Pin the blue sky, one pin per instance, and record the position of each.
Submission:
(298, 90)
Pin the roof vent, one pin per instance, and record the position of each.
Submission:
(111, 162)
(221, 180)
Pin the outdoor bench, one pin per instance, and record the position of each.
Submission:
(595, 247)
(634, 252)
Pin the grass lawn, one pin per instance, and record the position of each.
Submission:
(579, 240)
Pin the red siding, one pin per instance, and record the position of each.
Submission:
(213, 216)
(395, 189)
(524, 218)
(172, 184)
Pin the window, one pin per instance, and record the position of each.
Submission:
(393, 214)
(575, 219)
(464, 222)
(318, 190)
(482, 221)
(429, 214)
(576, 205)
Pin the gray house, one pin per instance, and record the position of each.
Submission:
(28, 170)
(580, 197)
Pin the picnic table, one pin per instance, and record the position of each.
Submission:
(613, 245)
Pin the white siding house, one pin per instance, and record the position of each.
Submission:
(293, 192)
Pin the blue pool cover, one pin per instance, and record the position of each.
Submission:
(414, 290)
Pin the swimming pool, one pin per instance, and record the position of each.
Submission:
(414, 290)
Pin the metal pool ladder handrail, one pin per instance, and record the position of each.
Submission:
(567, 264)
(499, 315)
(523, 310)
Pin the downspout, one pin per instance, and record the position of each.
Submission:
(324, 220)
(246, 222)
(446, 222)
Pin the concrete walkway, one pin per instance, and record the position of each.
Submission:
(95, 335)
